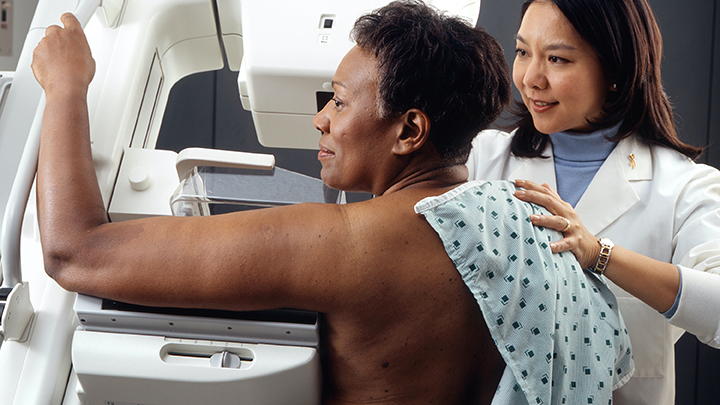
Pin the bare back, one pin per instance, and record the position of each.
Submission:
(411, 331)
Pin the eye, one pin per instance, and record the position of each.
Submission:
(520, 52)
(337, 102)
(557, 59)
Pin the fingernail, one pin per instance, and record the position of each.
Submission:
(520, 193)
(534, 217)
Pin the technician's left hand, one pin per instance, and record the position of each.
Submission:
(576, 238)
(62, 61)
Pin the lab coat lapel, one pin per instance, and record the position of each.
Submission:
(536, 170)
(611, 192)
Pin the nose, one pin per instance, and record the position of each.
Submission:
(321, 122)
(534, 75)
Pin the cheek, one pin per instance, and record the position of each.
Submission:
(569, 89)
(588, 88)
(600, 92)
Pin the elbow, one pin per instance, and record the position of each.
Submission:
(56, 263)
(68, 252)
(60, 260)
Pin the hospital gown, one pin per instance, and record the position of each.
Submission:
(556, 326)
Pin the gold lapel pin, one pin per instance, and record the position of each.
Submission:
(632, 160)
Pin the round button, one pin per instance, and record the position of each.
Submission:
(139, 178)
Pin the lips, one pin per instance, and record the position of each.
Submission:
(540, 106)
(325, 153)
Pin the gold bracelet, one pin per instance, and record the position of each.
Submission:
(606, 246)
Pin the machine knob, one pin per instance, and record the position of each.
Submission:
(139, 178)
(225, 360)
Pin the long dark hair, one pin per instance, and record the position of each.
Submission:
(627, 39)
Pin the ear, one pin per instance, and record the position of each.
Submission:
(415, 132)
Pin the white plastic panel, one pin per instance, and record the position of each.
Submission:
(136, 369)
(148, 104)
(160, 182)
(231, 27)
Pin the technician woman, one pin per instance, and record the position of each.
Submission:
(595, 125)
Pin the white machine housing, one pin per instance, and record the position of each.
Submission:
(290, 57)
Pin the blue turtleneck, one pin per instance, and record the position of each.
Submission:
(578, 156)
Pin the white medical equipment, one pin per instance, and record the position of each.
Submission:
(61, 350)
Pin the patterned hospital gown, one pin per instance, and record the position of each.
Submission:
(556, 326)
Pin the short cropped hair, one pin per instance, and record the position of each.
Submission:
(627, 40)
(453, 72)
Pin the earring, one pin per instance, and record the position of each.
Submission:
(614, 87)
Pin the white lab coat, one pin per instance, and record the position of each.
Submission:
(667, 208)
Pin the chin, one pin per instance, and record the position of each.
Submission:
(545, 128)
(329, 180)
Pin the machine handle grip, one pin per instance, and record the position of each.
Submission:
(192, 157)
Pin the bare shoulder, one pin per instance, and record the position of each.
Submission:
(363, 251)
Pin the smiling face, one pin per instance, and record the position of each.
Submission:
(557, 72)
(356, 144)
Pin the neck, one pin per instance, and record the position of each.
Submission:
(434, 177)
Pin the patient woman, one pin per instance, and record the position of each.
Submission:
(595, 128)
(413, 302)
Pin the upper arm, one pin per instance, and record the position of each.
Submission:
(258, 259)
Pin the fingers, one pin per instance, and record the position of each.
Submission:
(542, 198)
(560, 224)
(545, 196)
(529, 185)
(52, 30)
(70, 21)
(576, 238)
(567, 225)
(563, 245)
(543, 189)
(556, 222)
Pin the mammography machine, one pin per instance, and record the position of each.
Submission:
(60, 348)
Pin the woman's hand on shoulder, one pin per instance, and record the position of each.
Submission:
(576, 238)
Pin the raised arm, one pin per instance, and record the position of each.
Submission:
(250, 261)
(63, 66)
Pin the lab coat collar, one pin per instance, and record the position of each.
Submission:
(537, 170)
(611, 192)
